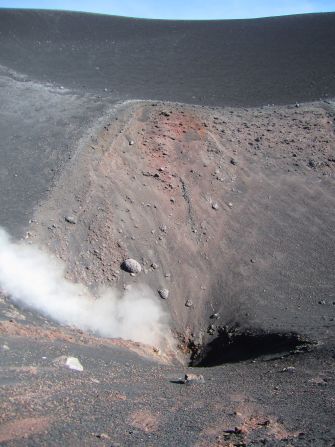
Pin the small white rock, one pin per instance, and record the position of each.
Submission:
(69, 362)
(74, 363)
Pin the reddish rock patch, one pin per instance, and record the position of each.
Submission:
(23, 428)
(144, 420)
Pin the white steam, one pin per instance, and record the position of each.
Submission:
(35, 279)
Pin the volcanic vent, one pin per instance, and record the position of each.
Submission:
(202, 200)
(236, 345)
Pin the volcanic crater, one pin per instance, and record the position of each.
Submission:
(204, 151)
(168, 185)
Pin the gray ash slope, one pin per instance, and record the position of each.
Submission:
(239, 62)
(271, 251)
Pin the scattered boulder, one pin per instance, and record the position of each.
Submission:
(163, 293)
(211, 329)
(189, 303)
(215, 206)
(190, 379)
(194, 379)
(71, 219)
(102, 436)
(131, 266)
(163, 228)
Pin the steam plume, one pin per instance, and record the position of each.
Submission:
(35, 279)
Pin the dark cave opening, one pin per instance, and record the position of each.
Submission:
(237, 345)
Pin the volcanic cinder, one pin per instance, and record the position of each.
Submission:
(205, 152)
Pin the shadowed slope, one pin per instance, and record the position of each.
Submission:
(240, 62)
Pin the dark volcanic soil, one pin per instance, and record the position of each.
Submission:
(233, 62)
(229, 208)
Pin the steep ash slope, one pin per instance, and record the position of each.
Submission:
(234, 62)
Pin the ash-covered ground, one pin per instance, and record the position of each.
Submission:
(228, 210)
